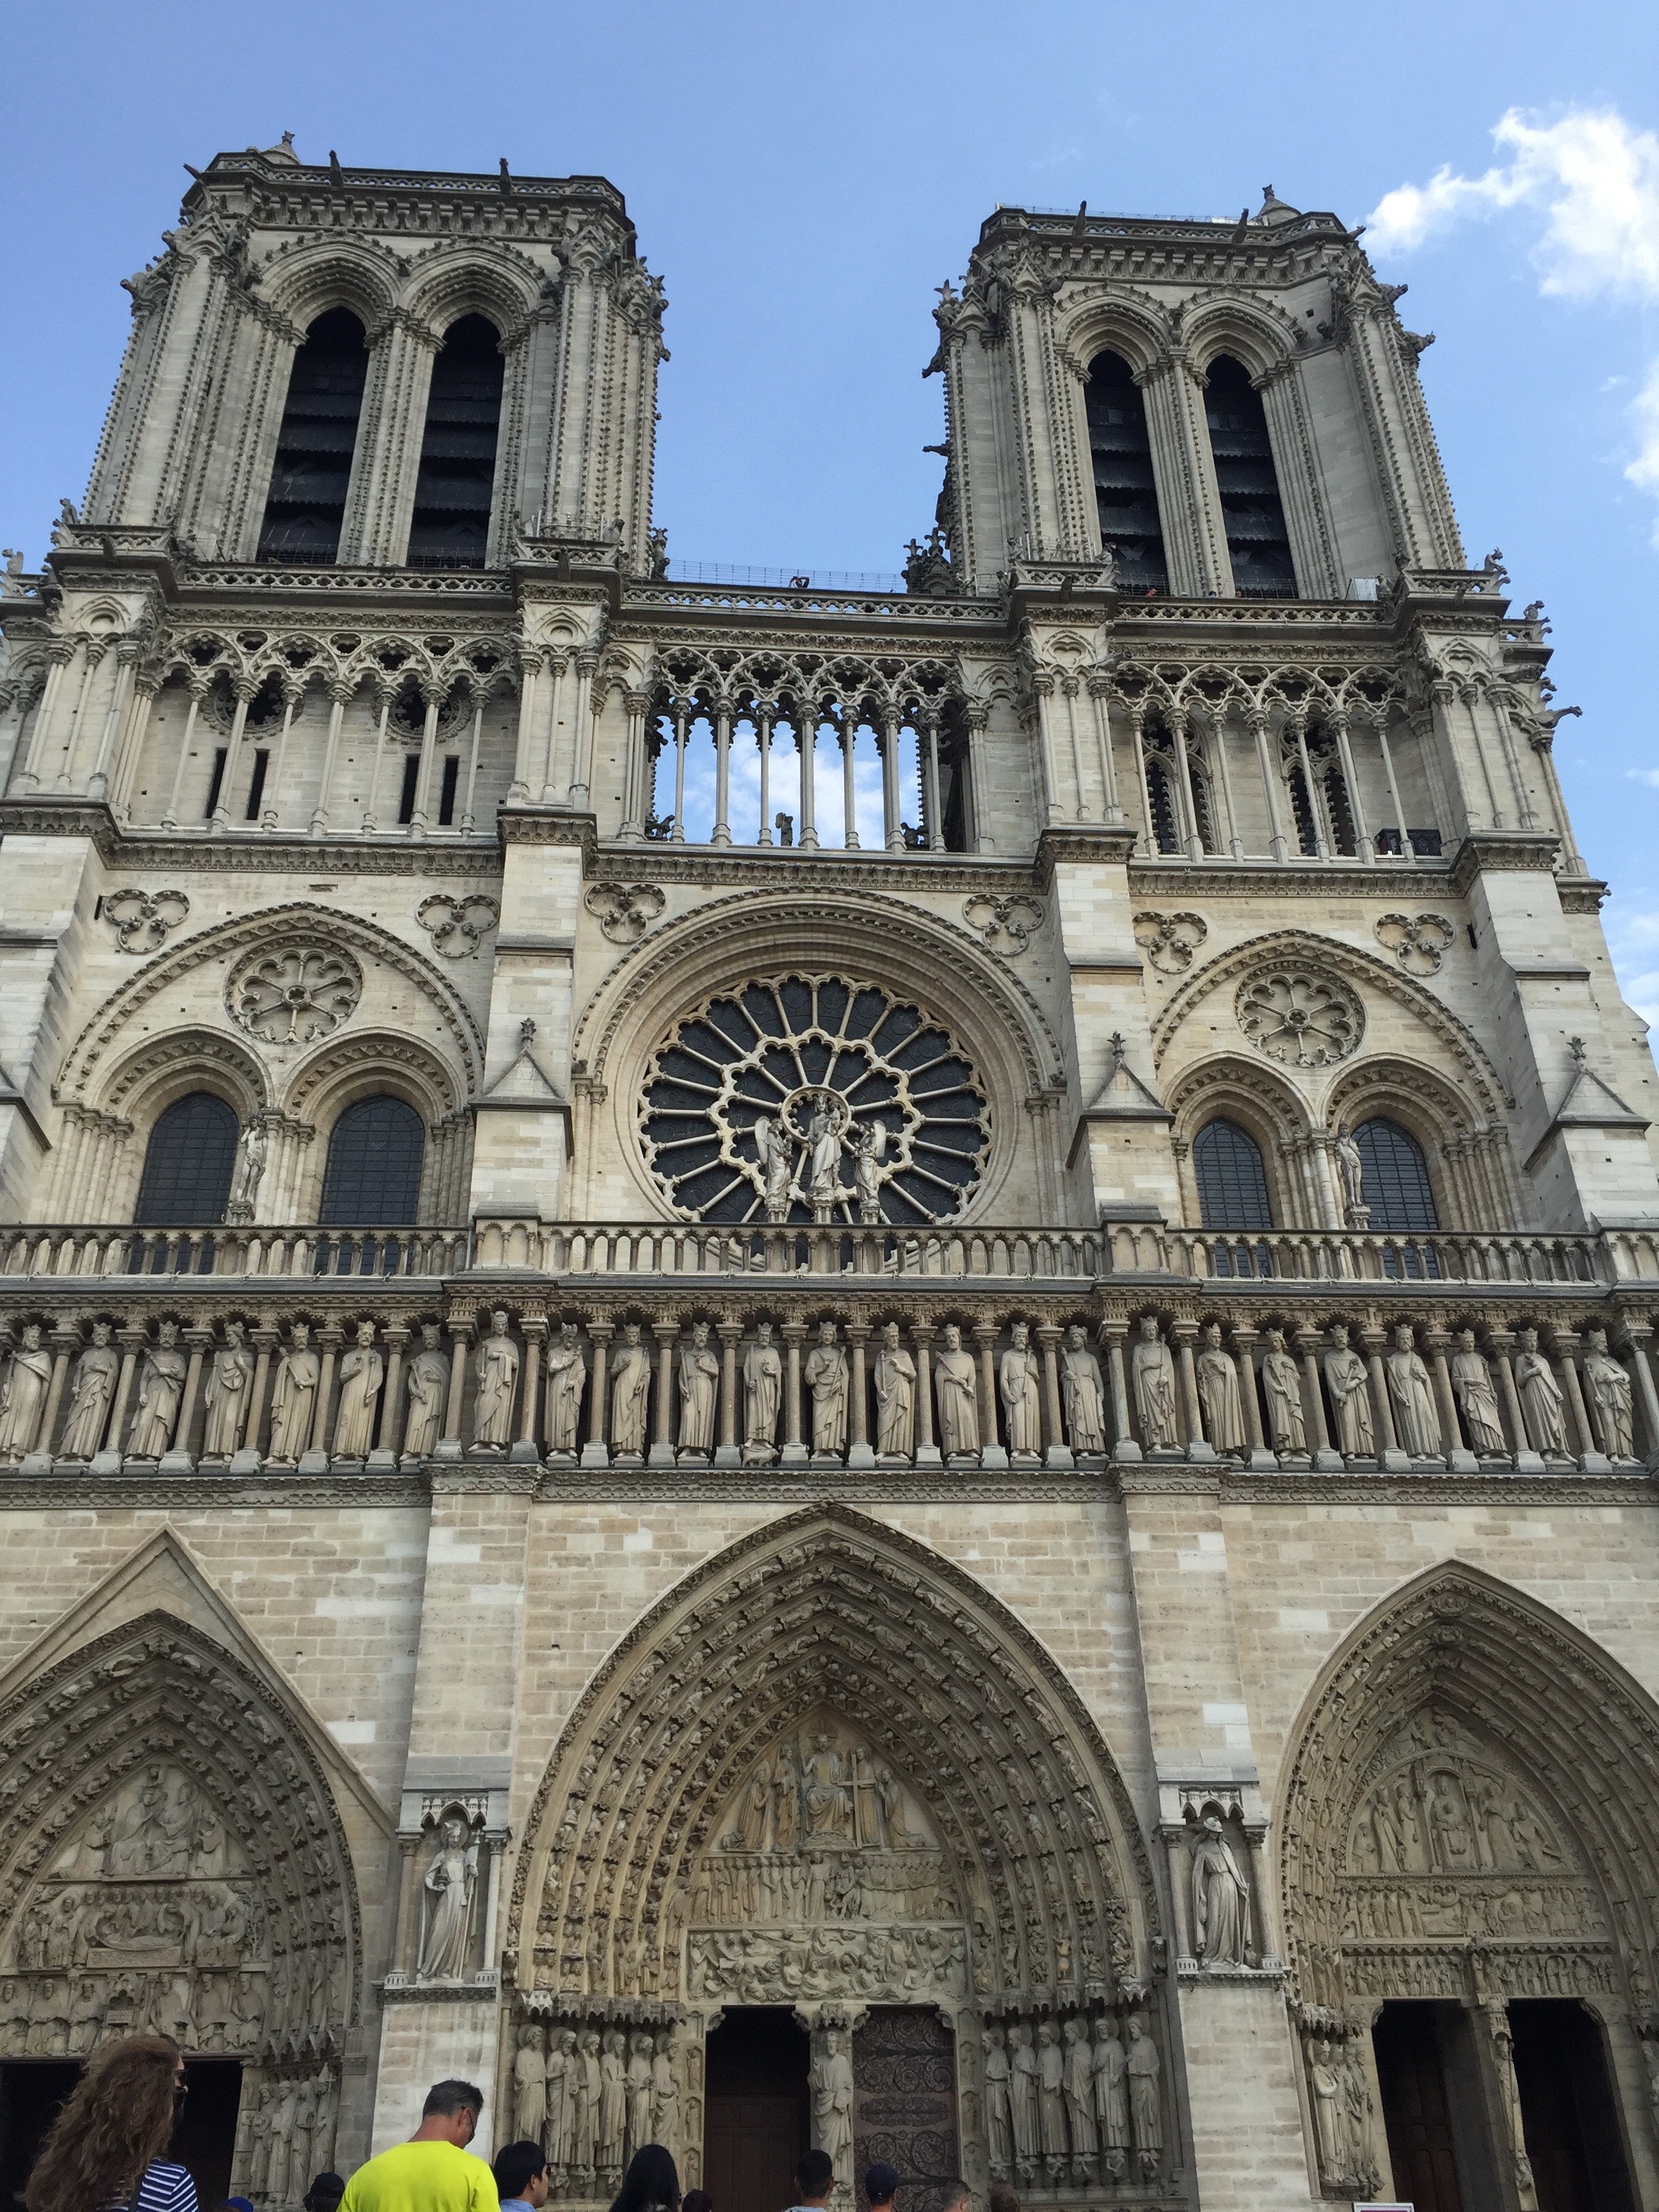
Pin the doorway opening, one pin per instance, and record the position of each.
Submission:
(1434, 2110)
(758, 2113)
(33, 2092)
(1568, 2109)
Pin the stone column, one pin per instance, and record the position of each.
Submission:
(1313, 1402)
(662, 1435)
(722, 772)
(1390, 1457)
(1564, 1342)
(178, 1460)
(534, 1329)
(858, 1453)
(65, 1343)
(1184, 1333)
(132, 1341)
(1500, 1347)
(1124, 1446)
(460, 1339)
(1059, 1453)
(794, 1452)
(395, 1337)
(1636, 1333)
(927, 1451)
(595, 1452)
(992, 1451)
(727, 1452)
(330, 1338)
(1460, 1460)
(264, 1339)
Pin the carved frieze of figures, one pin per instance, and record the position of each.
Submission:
(290, 2135)
(593, 2092)
(1443, 1805)
(1341, 2099)
(890, 1963)
(1073, 2099)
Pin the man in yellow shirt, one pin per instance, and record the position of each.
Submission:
(432, 2171)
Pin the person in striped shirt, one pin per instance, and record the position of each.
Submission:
(104, 2151)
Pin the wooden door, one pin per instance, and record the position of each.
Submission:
(755, 2118)
(904, 2102)
(1416, 2111)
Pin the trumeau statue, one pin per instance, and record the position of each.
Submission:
(699, 1381)
(1218, 1393)
(832, 2100)
(1154, 1370)
(1541, 1404)
(1083, 1393)
(825, 1373)
(956, 1387)
(1283, 1388)
(1346, 1380)
(428, 1384)
(567, 1378)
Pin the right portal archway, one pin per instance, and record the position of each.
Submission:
(1468, 1866)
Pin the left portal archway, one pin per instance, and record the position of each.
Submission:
(171, 1858)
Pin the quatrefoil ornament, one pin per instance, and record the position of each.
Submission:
(457, 925)
(143, 919)
(1169, 940)
(1005, 924)
(625, 911)
(1417, 941)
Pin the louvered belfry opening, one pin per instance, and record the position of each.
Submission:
(312, 474)
(450, 523)
(1252, 513)
(1125, 494)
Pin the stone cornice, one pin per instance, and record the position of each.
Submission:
(238, 854)
(1580, 893)
(793, 869)
(549, 825)
(1166, 877)
(1091, 848)
(1486, 852)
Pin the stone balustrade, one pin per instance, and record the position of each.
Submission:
(108, 1250)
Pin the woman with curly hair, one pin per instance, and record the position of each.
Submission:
(103, 2152)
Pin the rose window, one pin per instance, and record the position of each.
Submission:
(294, 996)
(813, 1098)
(1299, 1019)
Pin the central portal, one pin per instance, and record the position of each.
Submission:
(758, 2113)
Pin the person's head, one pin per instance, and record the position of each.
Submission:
(1213, 1335)
(325, 2193)
(1340, 1335)
(118, 2117)
(700, 1333)
(498, 1324)
(100, 1333)
(1076, 1337)
(450, 2114)
(1149, 1329)
(1402, 1335)
(697, 2200)
(365, 1333)
(520, 2170)
(237, 2204)
(815, 2177)
(880, 2185)
(652, 2179)
(1021, 1333)
(955, 2198)
(1466, 1339)
(1003, 2197)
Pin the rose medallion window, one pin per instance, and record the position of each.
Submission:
(814, 1098)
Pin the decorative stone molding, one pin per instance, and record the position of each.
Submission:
(295, 995)
(625, 911)
(1299, 1017)
(457, 925)
(1005, 924)
(141, 920)
(1418, 942)
(1169, 940)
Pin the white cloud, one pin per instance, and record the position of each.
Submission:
(1594, 180)
(1649, 776)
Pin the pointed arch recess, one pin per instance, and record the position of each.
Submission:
(1534, 1694)
(157, 1693)
(826, 1605)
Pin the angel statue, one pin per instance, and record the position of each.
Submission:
(773, 1150)
(869, 1149)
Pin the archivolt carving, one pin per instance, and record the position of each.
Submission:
(928, 1675)
(1470, 1767)
(302, 281)
(489, 277)
(162, 1068)
(225, 943)
(171, 1855)
(378, 1060)
(1366, 973)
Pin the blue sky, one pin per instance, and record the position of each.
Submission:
(804, 178)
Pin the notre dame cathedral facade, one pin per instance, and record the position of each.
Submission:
(786, 1360)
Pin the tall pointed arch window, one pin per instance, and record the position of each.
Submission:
(450, 528)
(188, 1163)
(1395, 1177)
(1232, 1182)
(1252, 513)
(305, 509)
(1126, 495)
(373, 1179)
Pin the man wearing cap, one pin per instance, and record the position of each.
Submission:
(880, 2186)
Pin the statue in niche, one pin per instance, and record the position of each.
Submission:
(160, 1390)
(1282, 1386)
(1606, 1386)
(630, 1394)
(428, 1387)
(23, 1394)
(826, 1378)
(497, 1370)
(1346, 1380)
(293, 1395)
(1415, 1416)
(1022, 2095)
(362, 1371)
(1329, 2121)
(664, 2090)
(639, 2093)
(91, 1392)
(529, 2086)
(449, 1881)
(1351, 1168)
(1477, 1400)
(1221, 1900)
(1051, 2095)
(955, 1388)
(1146, 2105)
(762, 1389)
(775, 1154)
(1218, 1393)
(895, 1378)
(1081, 1393)
(612, 2126)
(831, 2076)
(1153, 1372)
(1112, 2094)
(1358, 2109)
(1541, 1398)
(567, 1379)
(248, 1171)
(998, 2128)
(1080, 2090)
(1022, 1400)
(700, 1375)
(827, 1797)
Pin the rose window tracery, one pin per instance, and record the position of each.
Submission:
(1300, 1019)
(810, 1099)
(293, 995)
